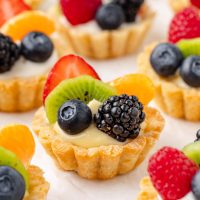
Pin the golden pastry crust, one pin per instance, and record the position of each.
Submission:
(102, 162)
(176, 101)
(106, 44)
(38, 185)
(148, 192)
(178, 5)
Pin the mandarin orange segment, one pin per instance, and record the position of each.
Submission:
(19, 140)
(27, 22)
(135, 84)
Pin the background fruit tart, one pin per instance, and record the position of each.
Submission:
(174, 174)
(19, 179)
(92, 128)
(93, 33)
(26, 57)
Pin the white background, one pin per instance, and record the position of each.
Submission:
(177, 133)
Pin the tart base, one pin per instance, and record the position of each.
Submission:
(172, 99)
(102, 162)
(178, 5)
(38, 186)
(106, 44)
(147, 190)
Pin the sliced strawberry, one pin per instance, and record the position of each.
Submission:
(10, 8)
(195, 3)
(67, 67)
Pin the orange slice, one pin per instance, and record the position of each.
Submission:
(18, 139)
(135, 84)
(27, 22)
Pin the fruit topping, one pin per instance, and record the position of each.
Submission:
(12, 185)
(110, 16)
(84, 88)
(74, 116)
(120, 117)
(80, 11)
(165, 59)
(130, 8)
(190, 71)
(7, 158)
(171, 173)
(189, 47)
(11, 8)
(185, 25)
(131, 85)
(19, 140)
(69, 66)
(9, 53)
(195, 3)
(37, 47)
(27, 22)
(198, 135)
(196, 185)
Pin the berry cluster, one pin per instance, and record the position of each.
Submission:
(120, 117)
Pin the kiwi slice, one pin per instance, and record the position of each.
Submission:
(84, 88)
(189, 47)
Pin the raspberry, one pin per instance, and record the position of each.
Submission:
(195, 3)
(80, 11)
(185, 25)
(120, 117)
(171, 173)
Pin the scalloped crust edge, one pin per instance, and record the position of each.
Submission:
(102, 162)
(38, 185)
(175, 101)
(178, 5)
(107, 44)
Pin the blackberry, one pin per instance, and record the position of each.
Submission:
(9, 53)
(120, 117)
(198, 135)
(130, 8)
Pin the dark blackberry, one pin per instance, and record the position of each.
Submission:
(120, 117)
(9, 53)
(198, 135)
(130, 8)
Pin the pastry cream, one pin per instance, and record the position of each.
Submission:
(90, 137)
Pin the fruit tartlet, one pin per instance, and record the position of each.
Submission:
(93, 128)
(174, 174)
(19, 179)
(94, 33)
(26, 56)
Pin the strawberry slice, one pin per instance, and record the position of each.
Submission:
(10, 8)
(69, 66)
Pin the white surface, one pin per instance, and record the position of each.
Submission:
(69, 186)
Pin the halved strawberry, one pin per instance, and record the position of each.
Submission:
(10, 8)
(69, 66)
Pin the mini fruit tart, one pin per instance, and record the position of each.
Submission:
(93, 33)
(26, 56)
(91, 127)
(174, 174)
(19, 179)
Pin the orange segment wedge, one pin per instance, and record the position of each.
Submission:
(135, 84)
(27, 22)
(18, 139)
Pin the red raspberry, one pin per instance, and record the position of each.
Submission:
(80, 11)
(171, 173)
(195, 3)
(185, 25)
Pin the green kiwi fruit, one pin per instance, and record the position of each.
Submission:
(7, 158)
(84, 88)
(189, 47)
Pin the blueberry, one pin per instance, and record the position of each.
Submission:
(74, 116)
(190, 71)
(37, 47)
(12, 184)
(196, 185)
(165, 59)
(110, 16)
(198, 135)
